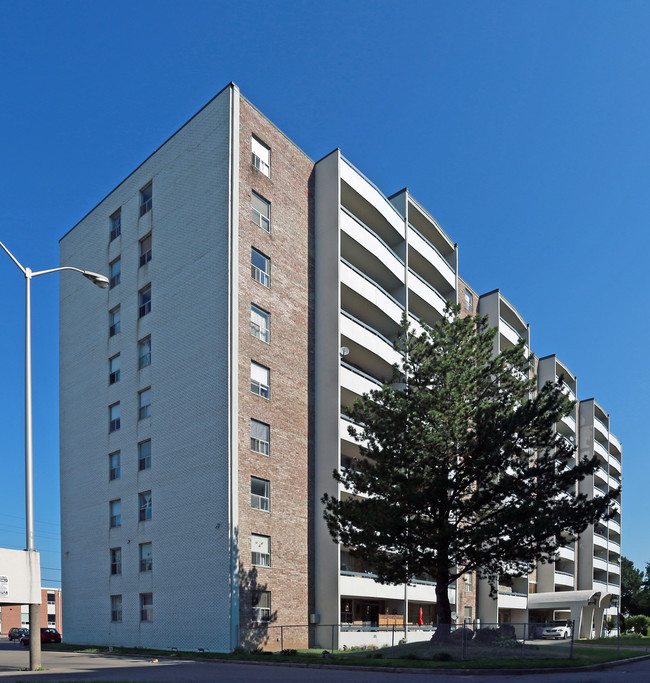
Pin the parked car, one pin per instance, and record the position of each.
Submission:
(17, 633)
(556, 632)
(48, 635)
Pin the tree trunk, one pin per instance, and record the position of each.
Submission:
(443, 608)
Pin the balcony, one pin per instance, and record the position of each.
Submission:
(569, 422)
(615, 463)
(613, 568)
(366, 300)
(429, 262)
(344, 431)
(565, 579)
(599, 449)
(362, 247)
(355, 383)
(600, 564)
(614, 526)
(600, 540)
(601, 429)
(428, 304)
(365, 200)
(567, 553)
(363, 585)
(369, 349)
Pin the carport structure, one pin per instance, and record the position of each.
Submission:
(587, 608)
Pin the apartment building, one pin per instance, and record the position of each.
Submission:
(17, 616)
(253, 294)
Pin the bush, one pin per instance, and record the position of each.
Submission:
(462, 633)
(638, 623)
(288, 652)
(486, 636)
(442, 657)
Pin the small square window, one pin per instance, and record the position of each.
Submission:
(261, 212)
(260, 550)
(260, 267)
(116, 561)
(146, 606)
(260, 437)
(144, 502)
(260, 323)
(144, 352)
(146, 199)
(116, 224)
(114, 417)
(114, 369)
(144, 301)
(114, 321)
(114, 271)
(145, 249)
(144, 404)
(146, 557)
(114, 466)
(260, 380)
(144, 455)
(116, 608)
(115, 513)
(261, 605)
(469, 301)
(260, 494)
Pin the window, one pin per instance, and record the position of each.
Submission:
(116, 608)
(116, 561)
(468, 583)
(261, 550)
(144, 301)
(260, 267)
(114, 417)
(114, 271)
(260, 494)
(144, 401)
(51, 598)
(144, 352)
(145, 249)
(260, 437)
(260, 323)
(261, 156)
(114, 321)
(116, 224)
(115, 510)
(114, 466)
(146, 606)
(467, 613)
(260, 379)
(146, 199)
(114, 369)
(261, 212)
(146, 557)
(261, 605)
(145, 506)
(469, 300)
(144, 455)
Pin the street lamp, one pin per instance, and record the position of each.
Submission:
(100, 281)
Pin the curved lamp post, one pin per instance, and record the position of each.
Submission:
(100, 281)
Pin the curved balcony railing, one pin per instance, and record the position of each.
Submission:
(432, 245)
(429, 285)
(361, 373)
(367, 327)
(371, 281)
(372, 233)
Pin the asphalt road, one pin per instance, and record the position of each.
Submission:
(70, 666)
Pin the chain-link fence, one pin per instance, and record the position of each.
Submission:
(473, 640)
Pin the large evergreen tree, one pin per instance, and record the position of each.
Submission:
(462, 468)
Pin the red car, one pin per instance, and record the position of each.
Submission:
(48, 635)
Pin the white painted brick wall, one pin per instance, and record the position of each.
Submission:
(188, 377)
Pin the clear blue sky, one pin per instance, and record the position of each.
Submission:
(523, 127)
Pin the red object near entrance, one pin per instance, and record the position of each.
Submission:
(420, 622)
